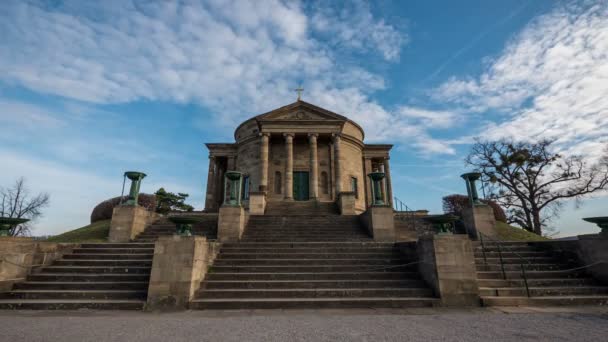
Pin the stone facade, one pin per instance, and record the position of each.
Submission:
(298, 152)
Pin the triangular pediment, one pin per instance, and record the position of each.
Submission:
(300, 111)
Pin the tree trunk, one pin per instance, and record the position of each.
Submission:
(536, 218)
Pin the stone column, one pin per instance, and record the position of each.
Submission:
(210, 198)
(389, 183)
(289, 165)
(231, 164)
(264, 138)
(337, 163)
(367, 169)
(314, 166)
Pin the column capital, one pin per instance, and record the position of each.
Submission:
(288, 135)
(211, 157)
(264, 134)
(313, 135)
(336, 136)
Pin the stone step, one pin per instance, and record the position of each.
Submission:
(248, 236)
(544, 301)
(315, 293)
(544, 291)
(307, 276)
(74, 294)
(517, 267)
(71, 304)
(315, 239)
(310, 250)
(113, 250)
(307, 262)
(309, 268)
(508, 260)
(108, 256)
(309, 284)
(505, 248)
(88, 277)
(311, 303)
(251, 256)
(117, 245)
(527, 254)
(97, 269)
(103, 262)
(530, 274)
(76, 285)
(319, 244)
(493, 283)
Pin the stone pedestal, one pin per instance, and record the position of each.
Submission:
(257, 203)
(231, 223)
(180, 264)
(479, 218)
(593, 249)
(447, 264)
(346, 203)
(128, 222)
(380, 222)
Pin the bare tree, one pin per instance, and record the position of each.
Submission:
(17, 203)
(532, 182)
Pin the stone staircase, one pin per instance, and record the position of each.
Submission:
(207, 227)
(94, 276)
(320, 261)
(551, 281)
(300, 208)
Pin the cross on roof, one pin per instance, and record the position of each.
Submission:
(299, 90)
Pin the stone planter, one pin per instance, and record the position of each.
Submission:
(377, 189)
(443, 224)
(184, 224)
(6, 223)
(601, 221)
(135, 178)
(470, 179)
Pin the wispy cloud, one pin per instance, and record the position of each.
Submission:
(551, 81)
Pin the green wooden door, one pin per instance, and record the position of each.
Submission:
(300, 186)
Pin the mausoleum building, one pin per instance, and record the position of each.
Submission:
(299, 152)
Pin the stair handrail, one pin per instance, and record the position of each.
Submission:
(398, 205)
(502, 264)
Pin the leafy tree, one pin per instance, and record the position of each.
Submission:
(168, 201)
(17, 203)
(531, 181)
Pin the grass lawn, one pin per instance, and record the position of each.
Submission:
(95, 232)
(510, 233)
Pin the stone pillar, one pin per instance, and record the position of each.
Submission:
(289, 166)
(479, 220)
(337, 164)
(367, 169)
(388, 182)
(180, 264)
(210, 197)
(128, 222)
(380, 223)
(314, 166)
(264, 138)
(231, 163)
(447, 264)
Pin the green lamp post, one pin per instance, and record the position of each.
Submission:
(377, 189)
(184, 224)
(443, 224)
(6, 223)
(470, 179)
(601, 221)
(135, 178)
(233, 187)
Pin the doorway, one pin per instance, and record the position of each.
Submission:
(300, 186)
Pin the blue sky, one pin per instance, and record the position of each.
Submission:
(91, 89)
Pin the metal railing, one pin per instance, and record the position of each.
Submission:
(522, 260)
(406, 213)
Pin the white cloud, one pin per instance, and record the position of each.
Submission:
(351, 24)
(550, 81)
(235, 58)
(27, 116)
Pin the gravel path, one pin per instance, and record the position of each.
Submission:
(336, 325)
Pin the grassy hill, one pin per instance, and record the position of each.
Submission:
(95, 232)
(510, 233)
